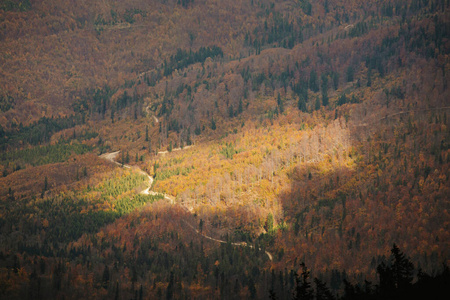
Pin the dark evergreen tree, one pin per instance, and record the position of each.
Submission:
(352, 292)
(324, 87)
(45, 183)
(342, 100)
(350, 73)
(335, 77)
(396, 275)
(200, 226)
(322, 291)
(252, 288)
(170, 286)
(116, 295)
(105, 278)
(280, 104)
(45, 187)
(230, 111)
(317, 105)
(402, 268)
(272, 295)
(240, 107)
(237, 286)
(301, 104)
(325, 99)
(369, 77)
(188, 137)
(303, 289)
(313, 81)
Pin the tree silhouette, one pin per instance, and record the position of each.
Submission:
(396, 275)
(322, 291)
(303, 289)
(105, 278)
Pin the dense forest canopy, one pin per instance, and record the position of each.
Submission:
(224, 149)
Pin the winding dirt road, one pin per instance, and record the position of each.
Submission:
(147, 109)
(240, 244)
(112, 158)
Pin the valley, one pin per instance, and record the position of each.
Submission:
(254, 149)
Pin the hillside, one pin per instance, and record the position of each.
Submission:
(315, 131)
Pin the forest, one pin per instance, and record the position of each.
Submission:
(251, 149)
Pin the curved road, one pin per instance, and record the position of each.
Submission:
(112, 158)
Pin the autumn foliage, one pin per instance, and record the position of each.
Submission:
(263, 144)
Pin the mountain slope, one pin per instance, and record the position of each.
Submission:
(316, 131)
